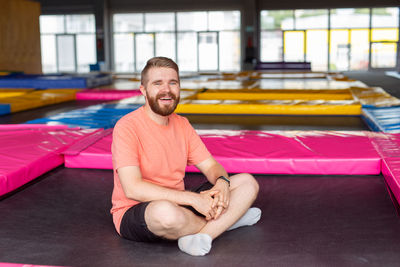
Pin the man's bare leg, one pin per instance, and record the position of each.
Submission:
(195, 234)
(244, 190)
(171, 221)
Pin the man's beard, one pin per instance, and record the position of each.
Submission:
(163, 111)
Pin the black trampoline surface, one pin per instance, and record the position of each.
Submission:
(63, 219)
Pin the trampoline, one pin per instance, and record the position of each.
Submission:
(62, 218)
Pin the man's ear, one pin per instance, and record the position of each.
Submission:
(142, 90)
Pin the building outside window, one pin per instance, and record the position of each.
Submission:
(197, 41)
(334, 39)
(67, 43)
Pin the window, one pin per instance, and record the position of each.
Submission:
(67, 43)
(359, 49)
(128, 22)
(198, 41)
(344, 18)
(277, 19)
(271, 46)
(192, 21)
(385, 17)
(311, 19)
(384, 37)
(123, 51)
(348, 42)
(316, 53)
(159, 22)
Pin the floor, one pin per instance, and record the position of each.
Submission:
(62, 218)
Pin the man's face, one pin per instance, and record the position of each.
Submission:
(162, 90)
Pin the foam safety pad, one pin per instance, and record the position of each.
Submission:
(270, 107)
(29, 151)
(38, 98)
(109, 94)
(382, 119)
(388, 147)
(96, 116)
(264, 152)
(55, 81)
(259, 94)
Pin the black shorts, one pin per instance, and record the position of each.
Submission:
(133, 224)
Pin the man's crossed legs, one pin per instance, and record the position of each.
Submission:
(166, 220)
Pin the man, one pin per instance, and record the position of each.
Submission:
(151, 148)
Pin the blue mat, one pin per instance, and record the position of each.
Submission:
(385, 119)
(5, 109)
(98, 116)
(54, 81)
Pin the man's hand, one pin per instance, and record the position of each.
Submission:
(204, 202)
(221, 198)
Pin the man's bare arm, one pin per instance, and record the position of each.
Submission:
(212, 170)
(137, 189)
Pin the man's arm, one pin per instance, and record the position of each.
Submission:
(212, 170)
(135, 188)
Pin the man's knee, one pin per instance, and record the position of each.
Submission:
(163, 214)
(247, 180)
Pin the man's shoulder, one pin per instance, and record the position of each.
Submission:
(179, 119)
(129, 118)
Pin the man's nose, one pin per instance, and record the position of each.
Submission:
(165, 87)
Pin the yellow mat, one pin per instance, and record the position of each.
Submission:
(39, 98)
(270, 107)
(374, 96)
(13, 92)
(259, 94)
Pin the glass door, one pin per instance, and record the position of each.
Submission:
(294, 46)
(144, 49)
(66, 52)
(208, 51)
(316, 49)
(339, 50)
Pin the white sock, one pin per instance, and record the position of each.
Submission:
(195, 245)
(251, 216)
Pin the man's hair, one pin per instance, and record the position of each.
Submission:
(157, 62)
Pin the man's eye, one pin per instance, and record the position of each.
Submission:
(173, 83)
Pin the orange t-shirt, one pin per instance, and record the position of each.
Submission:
(161, 152)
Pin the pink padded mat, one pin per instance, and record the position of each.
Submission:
(4, 264)
(312, 152)
(391, 172)
(388, 146)
(28, 151)
(105, 94)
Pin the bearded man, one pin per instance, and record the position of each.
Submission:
(151, 148)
